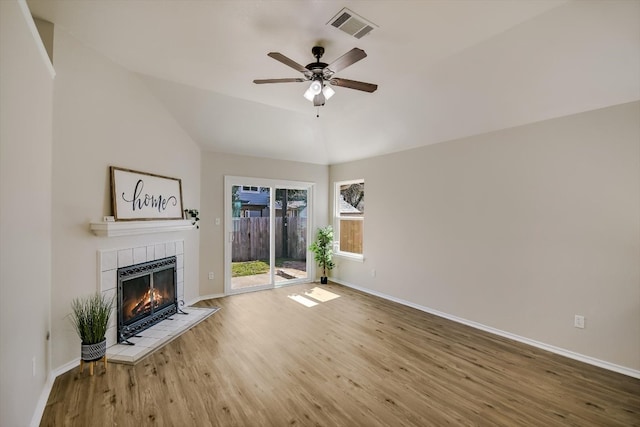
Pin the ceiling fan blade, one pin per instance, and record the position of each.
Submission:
(319, 100)
(296, 79)
(349, 58)
(290, 62)
(353, 84)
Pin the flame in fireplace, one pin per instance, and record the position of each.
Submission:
(151, 299)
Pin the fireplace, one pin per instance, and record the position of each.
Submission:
(146, 295)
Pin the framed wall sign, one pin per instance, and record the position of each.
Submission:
(137, 196)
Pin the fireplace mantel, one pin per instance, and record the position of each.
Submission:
(129, 228)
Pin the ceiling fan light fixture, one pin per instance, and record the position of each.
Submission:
(319, 75)
(309, 94)
(328, 92)
(316, 87)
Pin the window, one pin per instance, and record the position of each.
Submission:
(349, 217)
(250, 189)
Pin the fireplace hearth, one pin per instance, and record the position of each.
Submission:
(147, 295)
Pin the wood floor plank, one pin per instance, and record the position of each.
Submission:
(357, 360)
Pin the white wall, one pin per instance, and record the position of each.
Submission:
(26, 90)
(214, 168)
(518, 230)
(105, 115)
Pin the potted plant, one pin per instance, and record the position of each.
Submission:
(322, 247)
(90, 318)
(194, 215)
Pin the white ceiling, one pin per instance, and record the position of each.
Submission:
(445, 69)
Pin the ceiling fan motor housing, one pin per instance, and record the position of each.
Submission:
(317, 51)
(317, 67)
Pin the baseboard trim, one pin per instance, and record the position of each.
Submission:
(551, 348)
(66, 367)
(42, 401)
(46, 390)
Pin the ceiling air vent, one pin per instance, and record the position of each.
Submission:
(351, 23)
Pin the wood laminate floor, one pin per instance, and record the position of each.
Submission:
(358, 360)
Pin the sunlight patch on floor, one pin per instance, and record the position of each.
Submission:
(318, 294)
(302, 300)
(321, 295)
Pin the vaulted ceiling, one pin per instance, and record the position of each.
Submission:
(445, 69)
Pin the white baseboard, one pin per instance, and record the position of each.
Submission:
(553, 349)
(46, 390)
(42, 401)
(66, 367)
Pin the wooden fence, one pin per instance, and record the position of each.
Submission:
(251, 238)
(351, 236)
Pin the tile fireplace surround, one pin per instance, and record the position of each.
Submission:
(108, 263)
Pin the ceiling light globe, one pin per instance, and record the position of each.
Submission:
(328, 92)
(309, 94)
(316, 87)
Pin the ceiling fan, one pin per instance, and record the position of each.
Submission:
(319, 73)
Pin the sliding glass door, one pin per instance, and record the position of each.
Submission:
(291, 234)
(266, 225)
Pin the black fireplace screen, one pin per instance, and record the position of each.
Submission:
(146, 295)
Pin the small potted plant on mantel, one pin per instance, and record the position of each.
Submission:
(322, 247)
(90, 318)
(193, 215)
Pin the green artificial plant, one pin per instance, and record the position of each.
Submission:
(322, 247)
(90, 317)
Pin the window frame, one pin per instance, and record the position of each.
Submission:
(337, 218)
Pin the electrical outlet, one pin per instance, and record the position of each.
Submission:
(211, 275)
(373, 273)
(217, 221)
(578, 321)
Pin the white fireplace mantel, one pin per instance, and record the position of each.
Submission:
(130, 228)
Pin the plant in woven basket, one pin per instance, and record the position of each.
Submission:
(90, 317)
